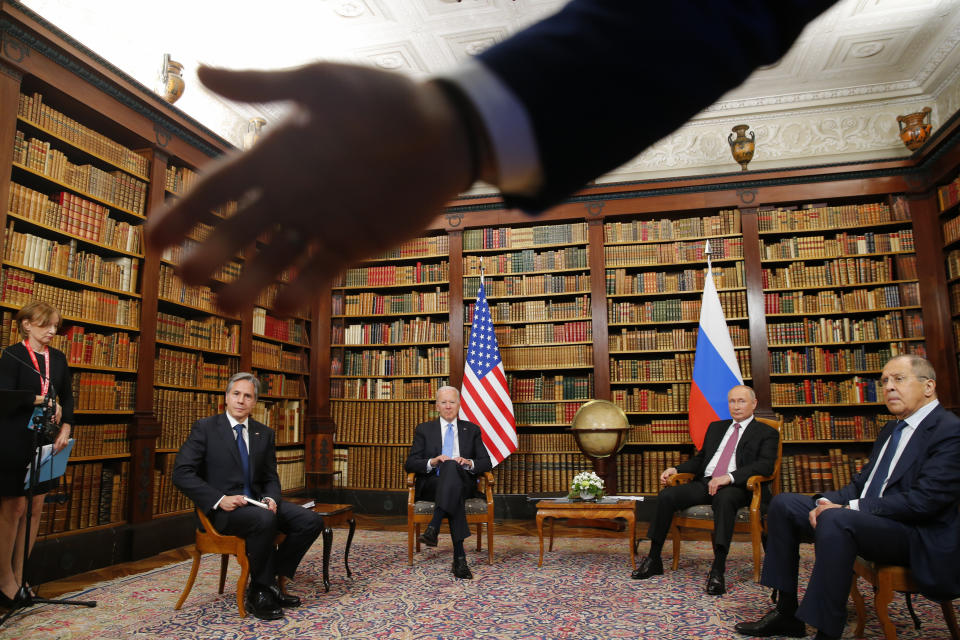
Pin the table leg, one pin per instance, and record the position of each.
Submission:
(552, 520)
(633, 548)
(346, 552)
(540, 536)
(327, 544)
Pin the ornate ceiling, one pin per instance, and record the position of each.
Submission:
(834, 97)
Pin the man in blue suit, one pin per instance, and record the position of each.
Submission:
(901, 509)
(368, 158)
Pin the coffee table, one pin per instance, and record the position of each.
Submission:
(553, 509)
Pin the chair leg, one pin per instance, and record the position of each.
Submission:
(951, 619)
(860, 607)
(675, 536)
(479, 535)
(193, 576)
(410, 543)
(881, 600)
(224, 560)
(757, 547)
(242, 583)
(490, 541)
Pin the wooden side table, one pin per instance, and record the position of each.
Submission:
(335, 515)
(553, 509)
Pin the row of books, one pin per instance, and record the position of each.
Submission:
(838, 246)
(32, 109)
(179, 179)
(539, 472)
(277, 384)
(117, 349)
(673, 399)
(528, 285)
(660, 431)
(726, 222)
(855, 390)
(734, 304)
(18, 287)
(287, 329)
(949, 195)
(90, 494)
(673, 252)
(640, 472)
(824, 425)
(376, 467)
(546, 387)
(102, 391)
(166, 497)
(63, 259)
(372, 304)
(400, 362)
(172, 289)
(379, 389)
(577, 355)
(380, 422)
(212, 332)
(811, 473)
(116, 188)
(814, 218)
(424, 247)
(538, 334)
(890, 326)
(228, 271)
(285, 417)
(541, 413)
(291, 468)
(888, 297)
(399, 331)
(394, 275)
(177, 411)
(842, 271)
(191, 369)
(670, 340)
(953, 263)
(523, 237)
(340, 468)
(527, 260)
(274, 356)
(820, 360)
(75, 216)
(559, 442)
(535, 310)
(678, 367)
(100, 440)
(619, 281)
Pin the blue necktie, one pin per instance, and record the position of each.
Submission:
(447, 443)
(883, 467)
(244, 460)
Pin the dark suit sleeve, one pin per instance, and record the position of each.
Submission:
(603, 79)
(267, 474)
(711, 440)
(766, 458)
(418, 456)
(189, 467)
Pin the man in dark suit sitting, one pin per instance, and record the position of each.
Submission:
(733, 450)
(230, 458)
(901, 509)
(447, 454)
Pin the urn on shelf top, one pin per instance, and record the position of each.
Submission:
(173, 83)
(913, 130)
(741, 146)
(254, 131)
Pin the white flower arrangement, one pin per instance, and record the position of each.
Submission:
(586, 482)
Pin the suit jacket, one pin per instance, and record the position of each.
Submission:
(756, 452)
(923, 492)
(585, 75)
(428, 443)
(208, 464)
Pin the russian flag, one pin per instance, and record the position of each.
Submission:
(715, 368)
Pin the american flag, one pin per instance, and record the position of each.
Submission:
(485, 396)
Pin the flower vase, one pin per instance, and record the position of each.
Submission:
(587, 496)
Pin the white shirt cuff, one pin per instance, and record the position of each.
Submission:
(508, 126)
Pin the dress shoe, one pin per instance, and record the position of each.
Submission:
(285, 600)
(648, 567)
(822, 635)
(6, 602)
(262, 604)
(428, 537)
(773, 624)
(716, 584)
(460, 569)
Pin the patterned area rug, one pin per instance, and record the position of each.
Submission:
(583, 592)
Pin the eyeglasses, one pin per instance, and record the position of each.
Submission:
(898, 380)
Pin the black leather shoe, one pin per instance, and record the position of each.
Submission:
(822, 635)
(461, 570)
(262, 604)
(773, 624)
(716, 584)
(285, 600)
(648, 567)
(429, 537)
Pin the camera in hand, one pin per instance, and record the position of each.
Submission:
(45, 424)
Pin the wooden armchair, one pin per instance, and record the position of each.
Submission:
(210, 541)
(886, 579)
(479, 511)
(749, 519)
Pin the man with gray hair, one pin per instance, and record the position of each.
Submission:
(447, 455)
(228, 467)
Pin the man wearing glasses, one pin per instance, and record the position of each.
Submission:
(901, 509)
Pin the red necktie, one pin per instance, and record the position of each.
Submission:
(723, 465)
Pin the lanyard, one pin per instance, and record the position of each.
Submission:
(36, 365)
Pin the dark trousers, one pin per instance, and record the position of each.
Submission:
(840, 536)
(725, 504)
(449, 490)
(259, 527)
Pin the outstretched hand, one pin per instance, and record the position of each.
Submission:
(365, 160)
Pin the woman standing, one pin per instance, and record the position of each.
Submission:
(33, 366)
